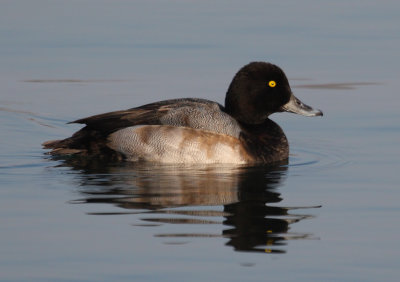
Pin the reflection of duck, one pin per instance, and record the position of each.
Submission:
(197, 130)
(156, 187)
(257, 226)
(159, 193)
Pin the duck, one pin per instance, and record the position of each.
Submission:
(195, 130)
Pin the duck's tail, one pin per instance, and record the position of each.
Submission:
(85, 142)
(61, 147)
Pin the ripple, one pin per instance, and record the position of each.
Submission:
(337, 85)
(319, 155)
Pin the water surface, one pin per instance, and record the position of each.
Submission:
(329, 213)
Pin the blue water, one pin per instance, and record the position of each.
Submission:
(330, 214)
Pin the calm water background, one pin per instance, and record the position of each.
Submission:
(332, 213)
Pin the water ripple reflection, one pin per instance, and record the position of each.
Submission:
(237, 200)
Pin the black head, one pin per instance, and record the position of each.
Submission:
(257, 90)
(260, 89)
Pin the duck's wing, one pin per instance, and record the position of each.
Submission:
(190, 112)
(146, 114)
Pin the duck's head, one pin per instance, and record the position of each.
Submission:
(260, 89)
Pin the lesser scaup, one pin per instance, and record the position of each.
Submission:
(195, 130)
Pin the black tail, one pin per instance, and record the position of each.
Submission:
(85, 142)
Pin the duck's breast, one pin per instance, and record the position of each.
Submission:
(173, 144)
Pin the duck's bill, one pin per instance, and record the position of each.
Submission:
(296, 106)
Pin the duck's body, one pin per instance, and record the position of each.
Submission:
(196, 130)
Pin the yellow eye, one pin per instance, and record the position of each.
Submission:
(272, 83)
